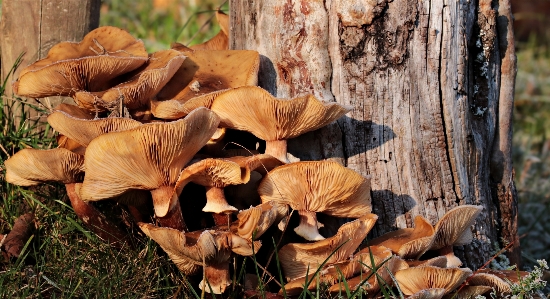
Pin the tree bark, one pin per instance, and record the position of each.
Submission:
(32, 27)
(431, 85)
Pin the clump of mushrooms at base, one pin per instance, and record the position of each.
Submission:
(145, 127)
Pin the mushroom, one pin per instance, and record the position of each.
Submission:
(208, 71)
(486, 279)
(433, 293)
(317, 186)
(216, 174)
(454, 229)
(138, 90)
(30, 167)
(413, 280)
(208, 248)
(299, 260)
(255, 110)
(438, 261)
(408, 243)
(149, 157)
(254, 221)
(468, 292)
(103, 54)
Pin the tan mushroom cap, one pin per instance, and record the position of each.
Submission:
(208, 71)
(434, 293)
(221, 40)
(256, 220)
(74, 111)
(29, 167)
(299, 258)
(438, 261)
(491, 280)
(408, 243)
(412, 280)
(149, 157)
(92, 64)
(175, 109)
(270, 118)
(454, 227)
(84, 131)
(141, 88)
(317, 186)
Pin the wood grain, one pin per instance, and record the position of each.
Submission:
(424, 78)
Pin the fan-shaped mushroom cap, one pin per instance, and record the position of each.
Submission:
(187, 251)
(454, 227)
(141, 88)
(438, 261)
(92, 64)
(221, 40)
(256, 220)
(30, 167)
(174, 109)
(490, 280)
(408, 243)
(208, 71)
(84, 131)
(255, 110)
(468, 292)
(412, 280)
(317, 186)
(297, 258)
(437, 293)
(149, 157)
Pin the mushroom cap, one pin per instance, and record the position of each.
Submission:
(148, 157)
(256, 220)
(299, 258)
(491, 280)
(141, 88)
(255, 110)
(412, 280)
(174, 109)
(408, 242)
(318, 186)
(208, 71)
(454, 227)
(91, 64)
(212, 172)
(438, 261)
(74, 111)
(84, 131)
(187, 251)
(29, 167)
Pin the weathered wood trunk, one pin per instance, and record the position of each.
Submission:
(431, 84)
(32, 27)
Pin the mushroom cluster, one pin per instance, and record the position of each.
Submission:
(148, 126)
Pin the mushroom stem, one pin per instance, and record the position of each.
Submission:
(452, 260)
(308, 227)
(95, 220)
(174, 218)
(215, 201)
(277, 149)
(217, 278)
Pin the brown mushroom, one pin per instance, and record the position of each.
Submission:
(432, 293)
(136, 92)
(317, 186)
(299, 260)
(149, 157)
(413, 280)
(408, 243)
(255, 110)
(91, 65)
(454, 229)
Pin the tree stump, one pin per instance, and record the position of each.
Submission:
(431, 85)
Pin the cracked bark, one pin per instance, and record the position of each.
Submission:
(431, 83)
